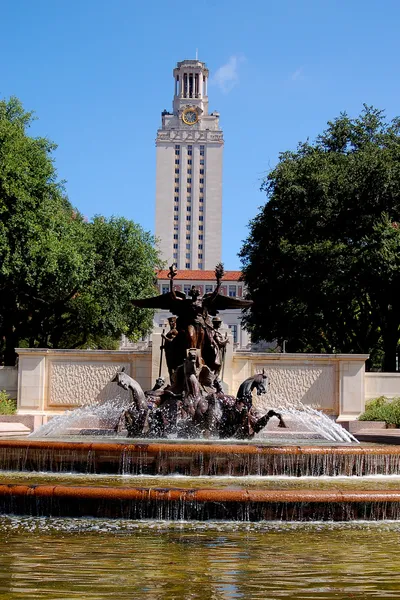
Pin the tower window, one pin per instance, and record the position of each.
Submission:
(189, 180)
(176, 208)
(201, 218)
(200, 256)
(201, 199)
(187, 254)
(201, 180)
(201, 235)
(188, 218)
(201, 208)
(187, 227)
(200, 265)
(176, 179)
(187, 265)
(189, 190)
(176, 198)
(189, 161)
(201, 190)
(177, 151)
(177, 161)
(201, 150)
(200, 246)
(189, 171)
(201, 171)
(176, 190)
(202, 161)
(176, 218)
(188, 236)
(176, 171)
(189, 198)
(175, 246)
(187, 246)
(177, 146)
(190, 151)
(175, 227)
(176, 237)
(188, 209)
(175, 255)
(201, 227)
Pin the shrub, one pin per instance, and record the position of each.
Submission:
(382, 409)
(8, 406)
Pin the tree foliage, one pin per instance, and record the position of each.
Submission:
(64, 282)
(322, 259)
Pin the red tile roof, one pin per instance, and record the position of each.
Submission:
(199, 275)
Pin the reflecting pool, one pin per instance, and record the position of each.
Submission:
(97, 559)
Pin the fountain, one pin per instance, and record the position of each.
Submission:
(189, 451)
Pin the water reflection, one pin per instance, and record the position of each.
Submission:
(94, 559)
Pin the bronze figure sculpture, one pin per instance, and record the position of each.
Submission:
(193, 404)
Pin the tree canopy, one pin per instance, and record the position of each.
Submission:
(64, 282)
(322, 259)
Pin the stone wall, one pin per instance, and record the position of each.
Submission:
(9, 380)
(382, 384)
(331, 382)
(51, 381)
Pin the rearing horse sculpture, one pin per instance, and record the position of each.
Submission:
(226, 416)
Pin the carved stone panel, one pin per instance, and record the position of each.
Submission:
(83, 383)
(313, 385)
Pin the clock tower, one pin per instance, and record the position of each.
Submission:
(189, 149)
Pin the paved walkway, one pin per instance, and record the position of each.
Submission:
(378, 436)
(11, 429)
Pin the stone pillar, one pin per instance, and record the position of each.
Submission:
(32, 384)
(351, 373)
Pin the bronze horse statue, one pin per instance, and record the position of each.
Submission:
(156, 413)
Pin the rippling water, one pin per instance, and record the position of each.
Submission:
(94, 559)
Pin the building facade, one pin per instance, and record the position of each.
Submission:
(189, 148)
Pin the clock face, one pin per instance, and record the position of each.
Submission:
(190, 116)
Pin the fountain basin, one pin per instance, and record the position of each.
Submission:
(198, 504)
(197, 458)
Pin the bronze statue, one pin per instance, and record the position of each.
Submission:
(168, 349)
(220, 343)
(193, 324)
(193, 403)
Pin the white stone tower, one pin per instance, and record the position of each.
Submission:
(189, 174)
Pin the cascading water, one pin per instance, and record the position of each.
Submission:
(92, 420)
(102, 419)
(301, 416)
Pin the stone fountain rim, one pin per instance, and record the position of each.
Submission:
(173, 447)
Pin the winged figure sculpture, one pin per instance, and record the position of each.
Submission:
(194, 328)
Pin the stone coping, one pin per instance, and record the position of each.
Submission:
(200, 495)
(67, 352)
(381, 374)
(284, 356)
(202, 447)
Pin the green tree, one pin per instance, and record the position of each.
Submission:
(322, 261)
(64, 282)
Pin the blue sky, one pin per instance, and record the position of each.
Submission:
(99, 73)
